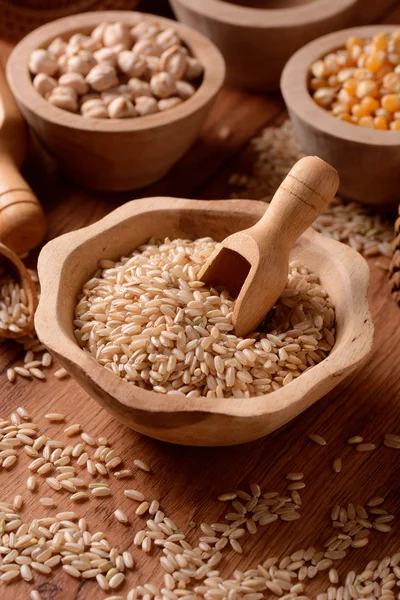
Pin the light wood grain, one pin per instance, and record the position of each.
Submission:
(253, 264)
(367, 160)
(257, 39)
(367, 403)
(115, 154)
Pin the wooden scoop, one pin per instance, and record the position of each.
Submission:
(253, 264)
(22, 221)
(12, 265)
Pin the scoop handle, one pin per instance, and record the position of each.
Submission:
(304, 193)
(22, 220)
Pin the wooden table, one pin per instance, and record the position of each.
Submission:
(187, 480)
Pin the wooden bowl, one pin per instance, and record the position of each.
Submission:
(368, 160)
(257, 37)
(114, 154)
(68, 261)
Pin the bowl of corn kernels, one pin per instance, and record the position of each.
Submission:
(117, 97)
(342, 92)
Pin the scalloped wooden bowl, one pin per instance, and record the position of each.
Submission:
(257, 37)
(68, 261)
(367, 160)
(115, 154)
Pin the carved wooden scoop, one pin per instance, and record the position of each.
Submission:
(253, 264)
(22, 221)
(10, 264)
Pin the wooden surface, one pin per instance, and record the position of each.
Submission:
(188, 480)
(352, 150)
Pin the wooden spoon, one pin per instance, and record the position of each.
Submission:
(22, 221)
(253, 264)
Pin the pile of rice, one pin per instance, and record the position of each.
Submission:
(150, 321)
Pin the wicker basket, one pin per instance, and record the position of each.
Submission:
(17, 18)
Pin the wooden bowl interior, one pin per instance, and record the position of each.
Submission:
(192, 223)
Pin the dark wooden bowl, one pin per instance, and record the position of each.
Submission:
(257, 37)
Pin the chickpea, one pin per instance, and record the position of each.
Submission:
(62, 63)
(174, 61)
(41, 61)
(44, 83)
(131, 64)
(105, 55)
(184, 89)
(146, 48)
(121, 108)
(117, 33)
(139, 88)
(102, 77)
(94, 108)
(82, 63)
(64, 97)
(116, 92)
(89, 96)
(91, 44)
(98, 32)
(168, 103)
(145, 30)
(146, 105)
(57, 47)
(167, 38)
(76, 81)
(163, 85)
(153, 66)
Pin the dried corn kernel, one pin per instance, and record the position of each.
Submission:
(359, 111)
(370, 103)
(353, 41)
(380, 41)
(380, 123)
(366, 122)
(391, 102)
(324, 96)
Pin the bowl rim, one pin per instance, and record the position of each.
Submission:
(298, 99)
(51, 332)
(20, 81)
(266, 18)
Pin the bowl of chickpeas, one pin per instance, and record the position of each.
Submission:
(342, 92)
(117, 97)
